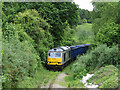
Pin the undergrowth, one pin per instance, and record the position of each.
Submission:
(91, 62)
(105, 77)
(41, 78)
(70, 82)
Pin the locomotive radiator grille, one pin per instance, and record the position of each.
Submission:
(54, 61)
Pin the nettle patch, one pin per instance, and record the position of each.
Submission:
(106, 77)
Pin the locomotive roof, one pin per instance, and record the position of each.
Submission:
(62, 48)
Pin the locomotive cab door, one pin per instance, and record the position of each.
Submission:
(66, 56)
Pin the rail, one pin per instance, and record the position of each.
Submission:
(40, 83)
(52, 81)
(50, 84)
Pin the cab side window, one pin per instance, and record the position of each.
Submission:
(69, 54)
(64, 56)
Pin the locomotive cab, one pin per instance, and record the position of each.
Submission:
(54, 58)
(58, 56)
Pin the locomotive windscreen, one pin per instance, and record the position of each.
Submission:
(51, 55)
(58, 55)
(54, 55)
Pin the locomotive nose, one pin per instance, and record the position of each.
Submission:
(54, 61)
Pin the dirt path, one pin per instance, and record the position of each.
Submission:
(60, 78)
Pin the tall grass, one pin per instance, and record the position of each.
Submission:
(41, 78)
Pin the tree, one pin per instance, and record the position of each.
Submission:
(57, 14)
(108, 33)
(38, 29)
(85, 14)
(104, 20)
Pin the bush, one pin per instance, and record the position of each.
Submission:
(71, 83)
(75, 84)
(95, 58)
(79, 72)
(108, 33)
(110, 83)
(19, 60)
(84, 20)
(105, 77)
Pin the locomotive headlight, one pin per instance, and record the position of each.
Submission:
(48, 62)
(59, 62)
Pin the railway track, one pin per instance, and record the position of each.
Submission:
(40, 83)
(52, 81)
(49, 84)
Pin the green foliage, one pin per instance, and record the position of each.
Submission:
(29, 31)
(106, 77)
(70, 80)
(79, 72)
(32, 23)
(105, 22)
(108, 33)
(67, 38)
(84, 20)
(110, 83)
(71, 83)
(83, 34)
(59, 16)
(19, 60)
(100, 56)
(41, 78)
(38, 29)
(10, 9)
(95, 58)
(54, 13)
(85, 15)
(68, 69)
(76, 84)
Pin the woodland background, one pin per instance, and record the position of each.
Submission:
(29, 30)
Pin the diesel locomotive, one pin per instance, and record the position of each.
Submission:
(61, 56)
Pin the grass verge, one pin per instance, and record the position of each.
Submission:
(106, 77)
(41, 78)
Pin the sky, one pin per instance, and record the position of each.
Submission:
(84, 4)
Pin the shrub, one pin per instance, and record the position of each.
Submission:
(71, 83)
(95, 58)
(108, 33)
(84, 20)
(105, 77)
(78, 71)
(112, 82)
(75, 84)
(19, 60)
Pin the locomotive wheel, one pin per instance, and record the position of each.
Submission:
(61, 68)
